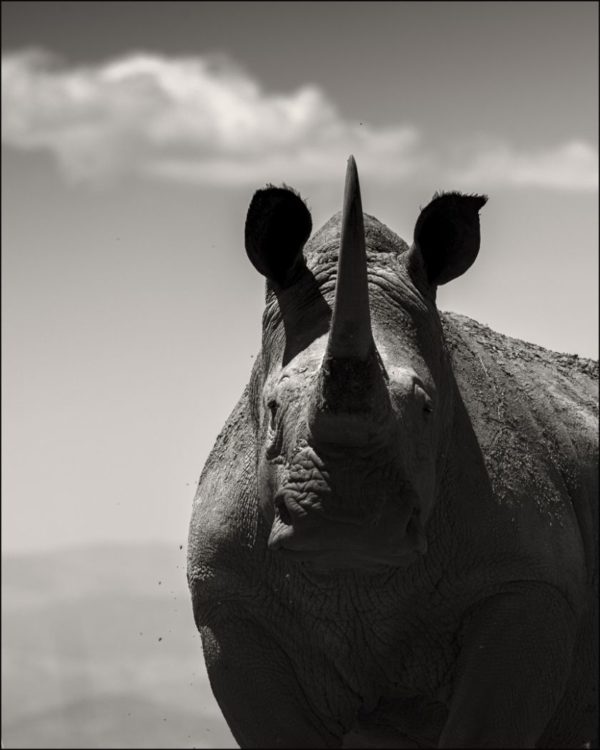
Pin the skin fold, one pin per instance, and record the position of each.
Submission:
(394, 539)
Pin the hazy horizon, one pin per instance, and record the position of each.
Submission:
(100, 649)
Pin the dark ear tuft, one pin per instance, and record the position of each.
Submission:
(447, 235)
(278, 224)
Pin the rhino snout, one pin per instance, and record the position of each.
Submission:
(303, 531)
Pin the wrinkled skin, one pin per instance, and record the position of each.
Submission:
(399, 550)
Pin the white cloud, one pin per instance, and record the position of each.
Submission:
(195, 119)
(569, 166)
(316, 159)
(205, 120)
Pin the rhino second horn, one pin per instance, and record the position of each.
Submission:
(350, 335)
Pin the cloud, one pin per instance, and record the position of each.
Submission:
(569, 166)
(206, 120)
(197, 119)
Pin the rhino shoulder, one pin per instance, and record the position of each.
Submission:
(514, 374)
(224, 521)
(535, 415)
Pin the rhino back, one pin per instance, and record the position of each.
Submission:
(535, 416)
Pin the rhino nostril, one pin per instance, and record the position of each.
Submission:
(415, 531)
(281, 510)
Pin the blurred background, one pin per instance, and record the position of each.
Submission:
(133, 137)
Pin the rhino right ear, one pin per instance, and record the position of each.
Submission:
(278, 224)
(447, 235)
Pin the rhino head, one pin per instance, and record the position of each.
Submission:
(353, 391)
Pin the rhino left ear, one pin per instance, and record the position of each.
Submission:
(447, 235)
(278, 224)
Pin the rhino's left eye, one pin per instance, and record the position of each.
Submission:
(424, 399)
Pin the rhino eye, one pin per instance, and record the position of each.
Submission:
(275, 432)
(424, 399)
(272, 406)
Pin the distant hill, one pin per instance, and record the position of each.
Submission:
(100, 650)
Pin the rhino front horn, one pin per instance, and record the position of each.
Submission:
(350, 335)
(350, 391)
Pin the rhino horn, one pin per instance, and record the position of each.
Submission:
(350, 387)
(350, 335)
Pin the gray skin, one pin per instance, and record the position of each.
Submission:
(394, 538)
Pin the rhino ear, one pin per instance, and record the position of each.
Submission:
(278, 224)
(447, 235)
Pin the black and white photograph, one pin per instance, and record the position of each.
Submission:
(300, 374)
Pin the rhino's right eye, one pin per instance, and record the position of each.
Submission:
(272, 406)
(275, 432)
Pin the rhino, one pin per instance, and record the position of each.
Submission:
(394, 539)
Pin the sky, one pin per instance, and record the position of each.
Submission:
(133, 138)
